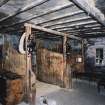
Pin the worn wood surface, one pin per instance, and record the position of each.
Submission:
(13, 61)
(53, 32)
(50, 66)
(11, 90)
(75, 66)
(66, 73)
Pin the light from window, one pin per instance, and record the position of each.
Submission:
(99, 56)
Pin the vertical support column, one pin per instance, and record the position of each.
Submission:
(28, 32)
(30, 76)
(83, 56)
(66, 72)
(3, 52)
(36, 69)
(64, 46)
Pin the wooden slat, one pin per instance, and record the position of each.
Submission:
(92, 11)
(27, 7)
(61, 17)
(3, 3)
(73, 25)
(70, 21)
(56, 9)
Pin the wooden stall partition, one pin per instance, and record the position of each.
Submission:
(50, 66)
(79, 65)
(74, 64)
(13, 61)
(1, 57)
(66, 72)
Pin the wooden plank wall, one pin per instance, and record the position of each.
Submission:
(13, 61)
(76, 66)
(50, 66)
(1, 56)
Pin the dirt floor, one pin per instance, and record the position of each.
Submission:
(82, 93)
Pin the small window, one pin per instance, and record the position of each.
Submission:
(99, 56)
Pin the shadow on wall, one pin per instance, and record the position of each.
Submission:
(91, 67)
(89, 64)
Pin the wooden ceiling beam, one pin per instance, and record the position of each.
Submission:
(92, 11)
(82, 32)
(81, 27)
(61, 17)
(75, 25)
(51, 31)
(68, 21)
(92, 35)
(4, 2)
(26, 8)
(84, 29)
(45, 13)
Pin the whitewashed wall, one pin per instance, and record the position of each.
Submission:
(91, 50)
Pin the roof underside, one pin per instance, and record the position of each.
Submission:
(83, 18)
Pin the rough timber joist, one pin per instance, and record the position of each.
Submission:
(58, 15)
(3, 2)
(27, 7)
(51, 31)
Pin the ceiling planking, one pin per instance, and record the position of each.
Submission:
(3, 2)
(100, 4)
(63, 15)
(79, 24)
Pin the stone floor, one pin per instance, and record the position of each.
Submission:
(83, 93)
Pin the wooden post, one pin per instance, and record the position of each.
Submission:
(64, 47)
(28, 32)
(66, 72)
(3, 51)
(31, 89)
(83, 55)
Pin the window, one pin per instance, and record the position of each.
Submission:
(99, 56)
